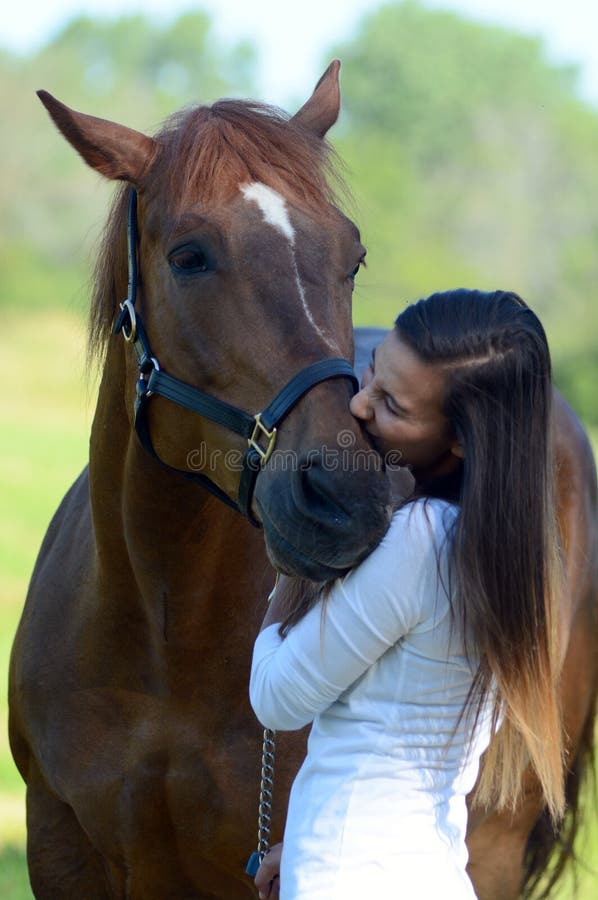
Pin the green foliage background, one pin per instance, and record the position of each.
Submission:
(471, 161)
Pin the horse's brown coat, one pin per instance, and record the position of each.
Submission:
(129, 715)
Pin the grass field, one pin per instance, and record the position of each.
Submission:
(45, 427)
(46, 417)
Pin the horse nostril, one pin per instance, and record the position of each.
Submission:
(317, 494)
(327, 514)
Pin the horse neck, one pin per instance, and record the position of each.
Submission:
(181, 555)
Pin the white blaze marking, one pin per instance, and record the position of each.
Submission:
(274, 210)
(272, 206)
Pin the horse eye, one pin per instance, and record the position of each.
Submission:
(353, 274)
(188, 259)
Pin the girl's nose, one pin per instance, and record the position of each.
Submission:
(360, 405)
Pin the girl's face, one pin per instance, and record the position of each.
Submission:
(400, 406)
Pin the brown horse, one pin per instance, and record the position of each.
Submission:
(129, 715)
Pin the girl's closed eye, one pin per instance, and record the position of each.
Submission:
(395, 408)
(390, 406)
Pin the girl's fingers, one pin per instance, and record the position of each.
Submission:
(267, 879)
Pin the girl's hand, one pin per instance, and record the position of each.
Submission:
(267, 880)
(277, 610)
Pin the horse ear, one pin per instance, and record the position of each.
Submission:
(322, 109)
(113, 150)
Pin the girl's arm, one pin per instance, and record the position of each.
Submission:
(367, 612)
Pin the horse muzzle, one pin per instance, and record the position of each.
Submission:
(320, 521)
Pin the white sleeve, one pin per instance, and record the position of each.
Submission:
(369, 610)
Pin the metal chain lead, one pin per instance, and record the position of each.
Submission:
(267, 782)
(266, 788)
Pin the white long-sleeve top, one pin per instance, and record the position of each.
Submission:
(378, 808)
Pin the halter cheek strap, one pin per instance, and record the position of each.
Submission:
(259, 430)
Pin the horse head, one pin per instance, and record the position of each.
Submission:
(246, 271)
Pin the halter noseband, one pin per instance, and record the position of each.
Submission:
(259, 430)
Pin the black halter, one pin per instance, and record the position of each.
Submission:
(259, 429)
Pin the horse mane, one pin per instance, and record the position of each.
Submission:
(205, 152)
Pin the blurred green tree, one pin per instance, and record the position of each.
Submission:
(473, 162)
(471, 157)
(130, 69)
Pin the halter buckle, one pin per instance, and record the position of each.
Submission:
(130, 336)
(147, 366)
(259, 431)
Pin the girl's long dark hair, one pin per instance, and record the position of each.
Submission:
(505, 563)
(505, 566)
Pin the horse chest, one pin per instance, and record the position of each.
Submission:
(138, 769)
